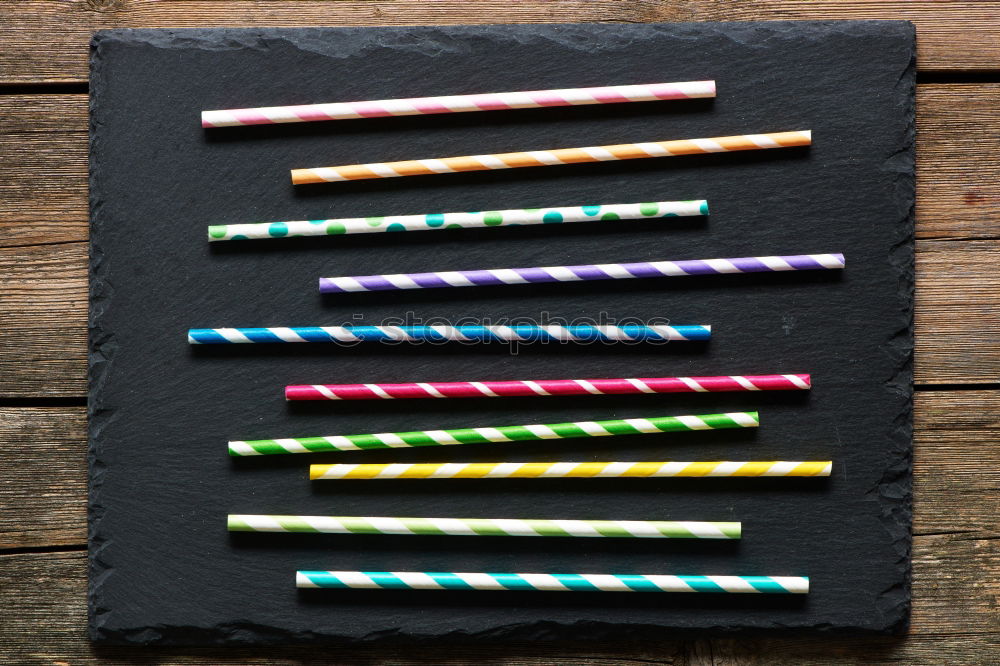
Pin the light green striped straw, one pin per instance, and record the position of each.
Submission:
(650, 529)
(517, 433)
(476, 220)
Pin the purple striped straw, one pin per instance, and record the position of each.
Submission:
(794, 262)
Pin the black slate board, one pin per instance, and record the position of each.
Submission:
(163, 568)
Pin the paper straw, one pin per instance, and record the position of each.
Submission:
(518, 433)
(495, 276)
(431, 221)
(625, 151)
(546, 387)
(653, 529)
(413, 106)
(554, 582)
(517, 333)
(551, 470)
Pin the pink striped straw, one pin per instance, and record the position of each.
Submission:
(548, 387)
(413, 106)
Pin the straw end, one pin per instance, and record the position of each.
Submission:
(240, 449)
(793, 584)
(305, 177)
(302, 580)
(210, 119)
(295, 392)
(235, 523)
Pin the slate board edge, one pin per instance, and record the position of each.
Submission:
(896, 488)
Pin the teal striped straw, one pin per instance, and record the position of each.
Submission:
(556, 582)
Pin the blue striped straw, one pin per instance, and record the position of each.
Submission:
(517, 333)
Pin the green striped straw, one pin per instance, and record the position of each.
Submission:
(655, 529)
(517, 433)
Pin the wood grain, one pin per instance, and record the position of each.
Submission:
(43, 165)
(46, 40)
(43, 301)
(954, 617)
(958, 179)
(43, 169)
(957, 305)
(955, 446)
(43, 452)
(43, 306)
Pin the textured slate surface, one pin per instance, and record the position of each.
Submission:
(163, 568)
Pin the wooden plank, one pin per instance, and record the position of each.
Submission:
(43, 169)
(958, 190)
(43, 301)
(955, 446)
(954, 623)
(43, 165)
(958, 301)
(43, 310)
(43, 452)
(46, 40)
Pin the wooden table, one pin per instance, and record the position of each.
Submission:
(43, 307)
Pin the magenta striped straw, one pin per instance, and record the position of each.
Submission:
(529, 99)
(544, 387)
(796, 262)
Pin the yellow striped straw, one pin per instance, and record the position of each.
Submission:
(549, 470)
(623, 151)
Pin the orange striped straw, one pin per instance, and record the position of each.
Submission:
(533, 158)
